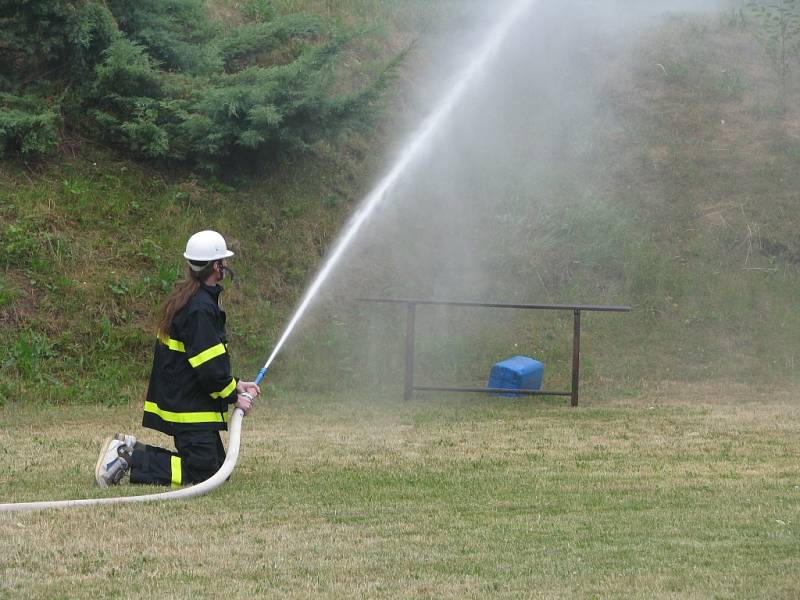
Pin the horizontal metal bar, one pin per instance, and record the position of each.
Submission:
(428, 388)
(587, 307)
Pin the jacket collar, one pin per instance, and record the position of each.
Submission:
(213, 290)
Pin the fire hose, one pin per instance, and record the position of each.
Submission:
(232, 455)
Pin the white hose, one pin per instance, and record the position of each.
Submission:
(235, 429)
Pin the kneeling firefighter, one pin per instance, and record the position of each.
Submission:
(191, 385)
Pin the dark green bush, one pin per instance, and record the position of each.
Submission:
(55, 39)
(255, 40)
(27, 126)
(159, 79)
(175, 33)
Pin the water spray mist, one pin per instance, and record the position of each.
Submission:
(415, 145)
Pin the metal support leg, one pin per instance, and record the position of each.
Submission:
(409, 377)
(576, 355)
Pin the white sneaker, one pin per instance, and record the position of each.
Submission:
(130, 440)
(111, 465)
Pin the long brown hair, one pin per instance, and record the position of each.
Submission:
(179, 296)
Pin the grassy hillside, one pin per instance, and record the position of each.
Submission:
(709, 164)
(91, 243)
(692, 220)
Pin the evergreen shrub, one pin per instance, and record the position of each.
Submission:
(162, 80)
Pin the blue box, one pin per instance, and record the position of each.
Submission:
(517, 373)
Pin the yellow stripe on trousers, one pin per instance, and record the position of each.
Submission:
(177, 473)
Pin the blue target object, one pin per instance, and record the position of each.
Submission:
(517, 373)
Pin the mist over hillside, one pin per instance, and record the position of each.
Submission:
(605, 156)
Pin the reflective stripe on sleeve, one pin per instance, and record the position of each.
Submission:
(227, 390)
(172, 344)
(187, 417)
(176, 474)
(207, 355)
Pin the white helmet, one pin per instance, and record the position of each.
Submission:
(205, 246)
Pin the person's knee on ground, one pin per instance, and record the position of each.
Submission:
(201, 453)
(153, 465)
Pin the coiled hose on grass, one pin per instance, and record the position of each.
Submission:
(234, 436)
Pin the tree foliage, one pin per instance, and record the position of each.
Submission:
(27, 126)
(162, 80)
(778, 31)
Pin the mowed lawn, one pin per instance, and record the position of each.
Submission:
(683, 493)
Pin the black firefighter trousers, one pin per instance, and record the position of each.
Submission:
(199, 455)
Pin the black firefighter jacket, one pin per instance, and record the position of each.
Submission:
(191, 384)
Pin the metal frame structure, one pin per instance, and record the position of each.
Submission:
(411, 308)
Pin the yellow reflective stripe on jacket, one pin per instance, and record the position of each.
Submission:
(187, 417)
(226, 390)
(172, 344)
(176, 475)
(207, 355)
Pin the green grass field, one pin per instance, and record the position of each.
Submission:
(687, 492)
